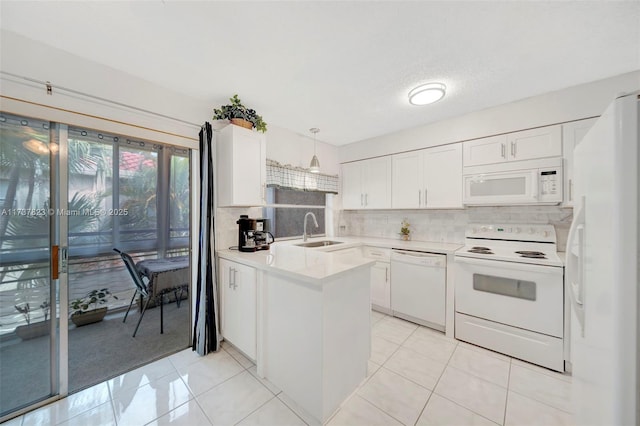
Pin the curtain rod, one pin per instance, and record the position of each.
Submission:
(49, 88)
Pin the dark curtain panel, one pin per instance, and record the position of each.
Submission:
(206, 337)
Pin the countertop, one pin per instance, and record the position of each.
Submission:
(319, 264)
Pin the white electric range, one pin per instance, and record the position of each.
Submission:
(509, 292)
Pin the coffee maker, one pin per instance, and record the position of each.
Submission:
(253, 234)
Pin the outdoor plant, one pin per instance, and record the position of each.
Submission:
(237, 110)
(25, 310)
(90, 301)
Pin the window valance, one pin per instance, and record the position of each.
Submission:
(288, 176)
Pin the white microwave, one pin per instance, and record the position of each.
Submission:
(525, 182)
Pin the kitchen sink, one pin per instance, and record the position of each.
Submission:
(319, 243)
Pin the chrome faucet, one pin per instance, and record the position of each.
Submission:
(304, 226)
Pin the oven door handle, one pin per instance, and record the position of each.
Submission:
(497, 264)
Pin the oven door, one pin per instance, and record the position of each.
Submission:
(517, 294)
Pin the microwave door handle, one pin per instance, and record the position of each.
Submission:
(535, 185)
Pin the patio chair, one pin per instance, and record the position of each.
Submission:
(141, 288)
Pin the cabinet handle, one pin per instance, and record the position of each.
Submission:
(425, 197)
(513, 149)
(232, 278)
(386, 275)
(361, 200)
(502, 150)
(366, 200)
(419, 198)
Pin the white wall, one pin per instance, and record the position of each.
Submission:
(573, 103)
(287, 147)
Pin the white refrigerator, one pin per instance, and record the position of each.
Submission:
(602, 270)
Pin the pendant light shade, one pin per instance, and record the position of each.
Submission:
(314, 166)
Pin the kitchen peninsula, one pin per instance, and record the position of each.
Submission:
(308, 313)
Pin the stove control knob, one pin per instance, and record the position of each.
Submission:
(516, 230)
(532, 231)
(545, 233)
(483, 229)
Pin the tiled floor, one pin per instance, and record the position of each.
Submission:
(416, 377)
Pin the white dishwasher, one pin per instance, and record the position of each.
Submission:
(418, 287)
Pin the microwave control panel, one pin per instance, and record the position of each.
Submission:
(550, 182)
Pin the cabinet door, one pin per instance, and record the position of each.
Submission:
(406, 181)
(535, 143)
(380, 286)
(442, 175)
(352, 194)
(572, 134)
(241, 164)
(376, 179)
(485, 151)
(238, 288)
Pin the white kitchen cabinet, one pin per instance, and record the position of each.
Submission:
(535, 143)
(380, 278)
(530, 144)
(366, 184)
(442, 177)
(407, 180)
(238, 313)
(241, 167)
(572, 134)
(428, 178)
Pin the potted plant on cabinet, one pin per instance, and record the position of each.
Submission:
(86, 311)
(36, 329)
(240, 115)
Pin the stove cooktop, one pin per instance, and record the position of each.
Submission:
(532, 244)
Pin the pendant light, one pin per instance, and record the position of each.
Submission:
(314, 167)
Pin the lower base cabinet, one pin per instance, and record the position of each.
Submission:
(238, 306)
(380, 279)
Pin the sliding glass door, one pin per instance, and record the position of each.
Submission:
(29, 298)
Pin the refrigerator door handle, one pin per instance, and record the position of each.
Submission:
(574, 263)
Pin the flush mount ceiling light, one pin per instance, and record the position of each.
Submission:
(314, 167)
(426, 94)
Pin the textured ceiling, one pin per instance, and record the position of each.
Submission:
(345, 67)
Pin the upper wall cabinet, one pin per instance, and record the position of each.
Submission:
(241, 163)
(525, 145)
(367, 184)
(429, 178)
(572, 134)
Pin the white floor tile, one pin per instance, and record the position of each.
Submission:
(183, 358)
(381, 349)
(541, 387)
(482, 365)
(101, 415)
(566, 377)
(242, 360)
(188, 414)
(273, 388)
(138, 406)
(358, 411)
(416, 367)
(68, 407)
(299, 411)
(141, 376)
(274, 412)
(427, 332)
(442, 412)
(233, 400)
(209, 371)
(479, 396)
(484, 351)
(376, 316)
(523, 411)
(390, 329)
(435, 347)
(399, 397)
(400, 323)
(372, 367)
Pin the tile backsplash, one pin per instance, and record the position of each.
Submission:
(449, 225)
